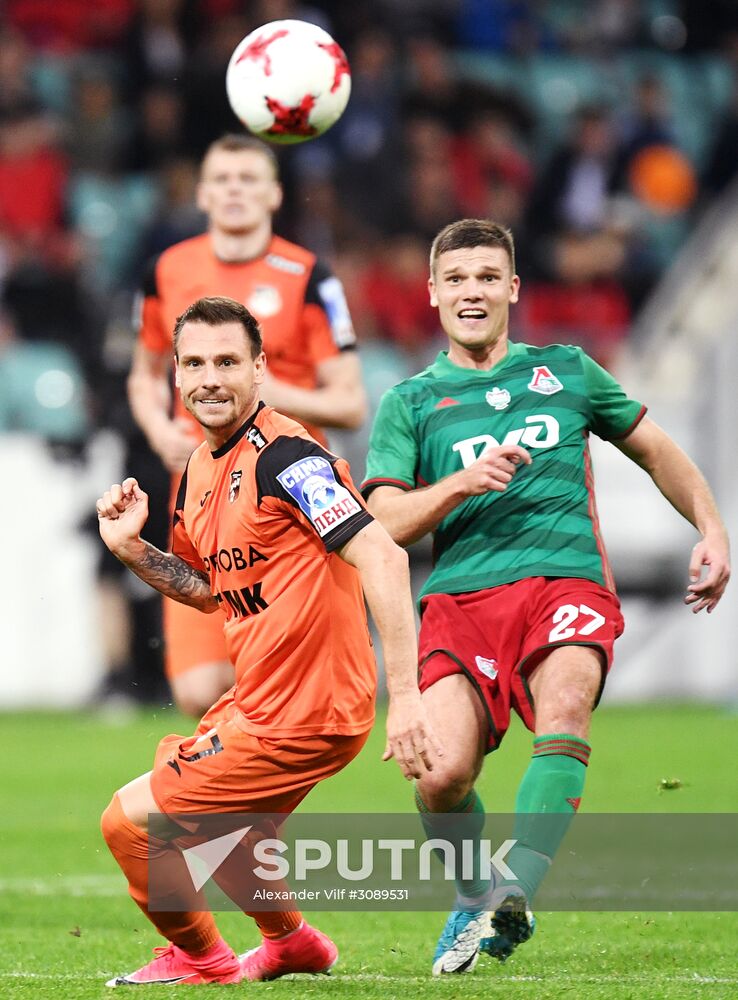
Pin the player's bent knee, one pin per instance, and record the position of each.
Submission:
(575, 703)
(445, 786)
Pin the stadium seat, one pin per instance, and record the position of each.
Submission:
(43, 392)
(112, 214)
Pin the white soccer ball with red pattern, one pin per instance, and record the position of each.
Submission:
(288, 81)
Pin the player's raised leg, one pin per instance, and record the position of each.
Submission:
(564, 687)
(455, 710)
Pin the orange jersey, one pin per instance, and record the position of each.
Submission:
(299, 304)
(263, 516)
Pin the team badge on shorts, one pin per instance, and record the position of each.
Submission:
(486, 667)
(498, 399)
(235, 488)
(313, 484)
(544, 381)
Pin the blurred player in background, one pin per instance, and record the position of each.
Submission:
(269, 527)
(487, 448)
(313, 376)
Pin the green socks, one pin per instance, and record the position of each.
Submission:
(465, 822)
(548, 797)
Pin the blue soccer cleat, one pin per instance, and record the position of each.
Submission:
(458, 946)
(511, 923)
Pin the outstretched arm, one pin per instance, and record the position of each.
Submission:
(408, 515)
(385, 578)
(122, 513)
(684, 486)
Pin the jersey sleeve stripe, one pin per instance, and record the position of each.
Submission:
(372, 484)
(641, 414)
(347, 531)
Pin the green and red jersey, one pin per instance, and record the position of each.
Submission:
(546, 399)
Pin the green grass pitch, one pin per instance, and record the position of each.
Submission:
(66, 922)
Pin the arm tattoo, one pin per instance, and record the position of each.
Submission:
(174, 578)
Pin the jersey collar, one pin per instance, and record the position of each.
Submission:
(444, 366)
(236, 437)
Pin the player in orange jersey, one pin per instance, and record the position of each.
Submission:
(270, 529)
(314, 373)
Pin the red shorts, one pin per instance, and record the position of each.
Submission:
(223, 769)
(497, 637)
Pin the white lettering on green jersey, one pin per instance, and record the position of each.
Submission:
(545, 522)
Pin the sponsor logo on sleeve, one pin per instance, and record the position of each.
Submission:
(544, 381)
(313, 484)
(334, 302)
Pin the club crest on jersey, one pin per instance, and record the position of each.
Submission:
(235, 486)
(313, 484)
(264, 301)
(486, 667)
(498, 399)
(544, 381)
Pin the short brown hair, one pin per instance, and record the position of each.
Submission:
(468, 233)
(234, 142)
(215, 311)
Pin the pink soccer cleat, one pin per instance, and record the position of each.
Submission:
(304, 950)
(174, 967)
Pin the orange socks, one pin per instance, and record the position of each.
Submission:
(276, 925)
(193, 932)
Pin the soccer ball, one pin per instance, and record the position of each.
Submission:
(288, 81)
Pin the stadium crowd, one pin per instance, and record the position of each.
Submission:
(598, 140)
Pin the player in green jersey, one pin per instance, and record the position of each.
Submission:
(487, 448)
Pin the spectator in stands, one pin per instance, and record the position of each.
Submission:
(574, 189)
(489, 152)
(70, 25)
(159, 134)
(394, 290)
(16, 92)
(97, 135)
(207, 112)
(178, 217)
(157, 43)
(435, 88)
(364, 142)
(645, 122)
(33, 177)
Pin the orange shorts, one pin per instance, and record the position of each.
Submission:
(191, 638)
(222, 768)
